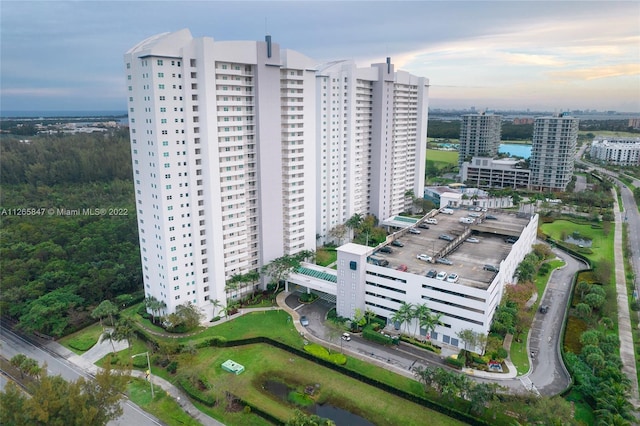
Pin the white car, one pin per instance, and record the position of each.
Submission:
(346, 337)
(467, 220)
(424, 257)
(441, 275)
(446, 211)
(452, 278)
(413, 231)
(475, 214)
(431, 221)
(472, 240)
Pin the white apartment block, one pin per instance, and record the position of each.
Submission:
(616, 151)
(371, 133)
(222, 142)
(479, 136)
(553, 152)
(243, 152)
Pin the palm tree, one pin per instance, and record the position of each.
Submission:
(419, 312)
(406, 310)
(216, 304)
(429, 322)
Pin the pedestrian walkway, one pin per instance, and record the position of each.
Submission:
(624, 321)
(90, 368)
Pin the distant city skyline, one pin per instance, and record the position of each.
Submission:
(537, 55)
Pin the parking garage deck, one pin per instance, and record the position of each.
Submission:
(467, 258)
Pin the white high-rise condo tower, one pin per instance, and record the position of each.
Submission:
(222, 142)
(371, 141)
(243, 152)
(553, 152)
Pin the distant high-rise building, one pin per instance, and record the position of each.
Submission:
(553, 152)
(243, 152)
(372, 124)
(479, 136)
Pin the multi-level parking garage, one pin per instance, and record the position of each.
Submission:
(475, 256)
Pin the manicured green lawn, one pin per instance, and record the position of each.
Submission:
(163, 406)
(82, 340)
(275, 324)
(325, 257)
(602, 246)
(263, 363)
(449, 157)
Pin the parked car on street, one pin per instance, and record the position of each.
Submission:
(441, 275)
(511, 240)
(413, 231)
(304, 321)
(424, 257)
(472, 240)
(397, 243)
(444, 261)
(423, 226)
(490, 268)
(446, 237)
(491, 217)
(346, 337)
(432, 273)
(452, 278)
(431, 221)
(385, 249)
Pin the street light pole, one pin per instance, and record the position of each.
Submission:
(149, 369)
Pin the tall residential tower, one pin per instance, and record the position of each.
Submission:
(372, 125)
(222, 142)
(243, 152)
(479, 136)
(553, 152)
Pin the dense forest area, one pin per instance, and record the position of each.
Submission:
(58, 261)
(59, 159)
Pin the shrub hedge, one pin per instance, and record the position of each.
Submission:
(196, 393)
(322, 353)
(369, 334)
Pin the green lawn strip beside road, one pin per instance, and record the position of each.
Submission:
(163, 406)
(263, 362)
(518, 351)
(83, 340)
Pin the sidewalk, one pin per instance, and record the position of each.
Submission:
(90, 368)
(624, 322)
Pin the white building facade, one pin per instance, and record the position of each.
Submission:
(487, 172)
(243, 152)
(362, 285)
(222, 142)
(616, 151)
(371, 133)
(553, 152)
(479, 136)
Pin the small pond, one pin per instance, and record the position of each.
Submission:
(580, 242)
(339, 416)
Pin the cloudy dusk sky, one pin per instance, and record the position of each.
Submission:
(563, 55)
